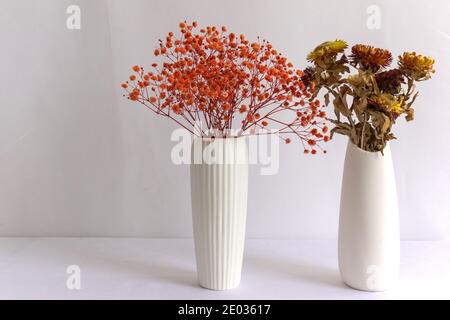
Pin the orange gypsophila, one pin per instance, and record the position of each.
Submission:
(210, 81)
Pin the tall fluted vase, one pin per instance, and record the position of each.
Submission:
(369, 239)
(219, 187)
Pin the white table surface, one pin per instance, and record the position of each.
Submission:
(35, 268)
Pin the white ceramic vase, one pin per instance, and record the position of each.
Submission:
(219, 187)
(369, 237)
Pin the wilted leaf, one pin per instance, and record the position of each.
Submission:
(412, 101)
(375, 85)
(409, 114)
(327, 99)
(360, 106)
(386, 124)
(342, 131)
(339, 107)
(382, 123)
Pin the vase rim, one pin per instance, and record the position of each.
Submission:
(354, 146)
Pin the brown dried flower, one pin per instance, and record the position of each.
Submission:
(308, 76)
(369, 57)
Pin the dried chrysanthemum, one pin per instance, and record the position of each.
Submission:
(416, 65)
(369, 57)
(390, 81)
(388, 103)
(327, 49)
(308, 76)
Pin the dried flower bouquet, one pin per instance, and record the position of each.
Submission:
(367, 97)
(211, 81)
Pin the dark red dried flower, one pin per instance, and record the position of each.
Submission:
(308, 76)
(390, 81)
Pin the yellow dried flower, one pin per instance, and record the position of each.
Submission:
(417, 65)
(327, 49)
(389, 103)
(396, 107)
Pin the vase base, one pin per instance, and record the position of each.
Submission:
(219, 288)
(365, 288)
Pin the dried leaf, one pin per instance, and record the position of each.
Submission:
(409, 114)
(386, 124)
(340, 107)
(327, 99)
(412, 101)
(360, 106)
(382, 123)
(375, 85)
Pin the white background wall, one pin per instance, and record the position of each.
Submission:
(76, 159)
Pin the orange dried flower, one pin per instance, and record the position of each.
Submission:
(370, 57)
(215, 76)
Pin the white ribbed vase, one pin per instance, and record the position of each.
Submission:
(369, 237)
(219, 187)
